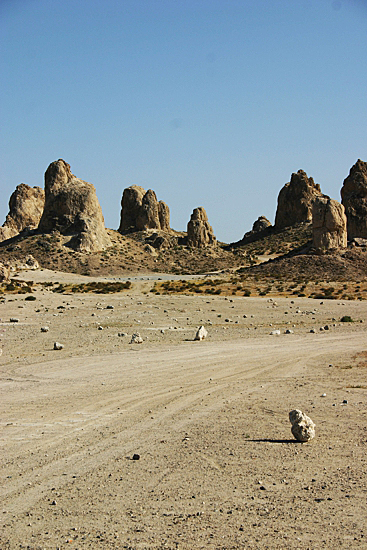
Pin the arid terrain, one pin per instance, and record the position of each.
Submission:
(215, 464)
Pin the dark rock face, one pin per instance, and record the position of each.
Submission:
(199, 233)
(25, 210)
(329, 225)
(72, 207)
(354, 200)
(295, 200)
(140, 210)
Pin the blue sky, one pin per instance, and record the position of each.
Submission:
(210, 103)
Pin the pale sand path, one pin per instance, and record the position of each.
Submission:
(71, 421)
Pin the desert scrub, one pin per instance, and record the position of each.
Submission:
(346, 319)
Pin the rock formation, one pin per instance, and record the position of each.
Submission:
(295, 200)
(72, 207)
(259, 229)
(140, 210)
(354, 200)
(260, 224)
(25, 210)
(4, 273)
(329, 225)
(303, 428)
(199, 232)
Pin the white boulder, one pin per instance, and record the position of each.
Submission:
(303, 428)
(58, 346)
(201, 334)
(136, 338)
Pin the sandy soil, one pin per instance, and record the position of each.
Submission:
(218, 466)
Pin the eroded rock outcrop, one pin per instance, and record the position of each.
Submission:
(72, 207)
(25, 210)
(199, 233)
(302, 428)
(354, 200)
(260, 228)
(295, 200)
(140, 210)
(260, 224)
(329, 225)
(4, 273)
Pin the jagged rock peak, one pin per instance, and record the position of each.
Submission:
(260, 224)
(140, 210)
(295, 200)
(25, 210)
(199, 232)
(354, 199)
(72, 207)
(329, 225)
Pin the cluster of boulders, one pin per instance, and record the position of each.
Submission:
(70, 205)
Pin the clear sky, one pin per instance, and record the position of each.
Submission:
(210, 103)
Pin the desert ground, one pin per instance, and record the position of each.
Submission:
(176, 443)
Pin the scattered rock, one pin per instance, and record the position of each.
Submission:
(201, 334)
(72, 207)
(199, 233)
(288, 331)
(136, 338)
(329, 225)
(14, 320)
(295, 200)
(45, 329)
(274, 332)
(58, 346)
(136, 456)
(303, 428)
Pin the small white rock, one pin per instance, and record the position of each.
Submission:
(201, 333)
(58, 346)
(44, 329)
(136, 338)
(275, 332)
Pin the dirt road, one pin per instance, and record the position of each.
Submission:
(217, 466)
